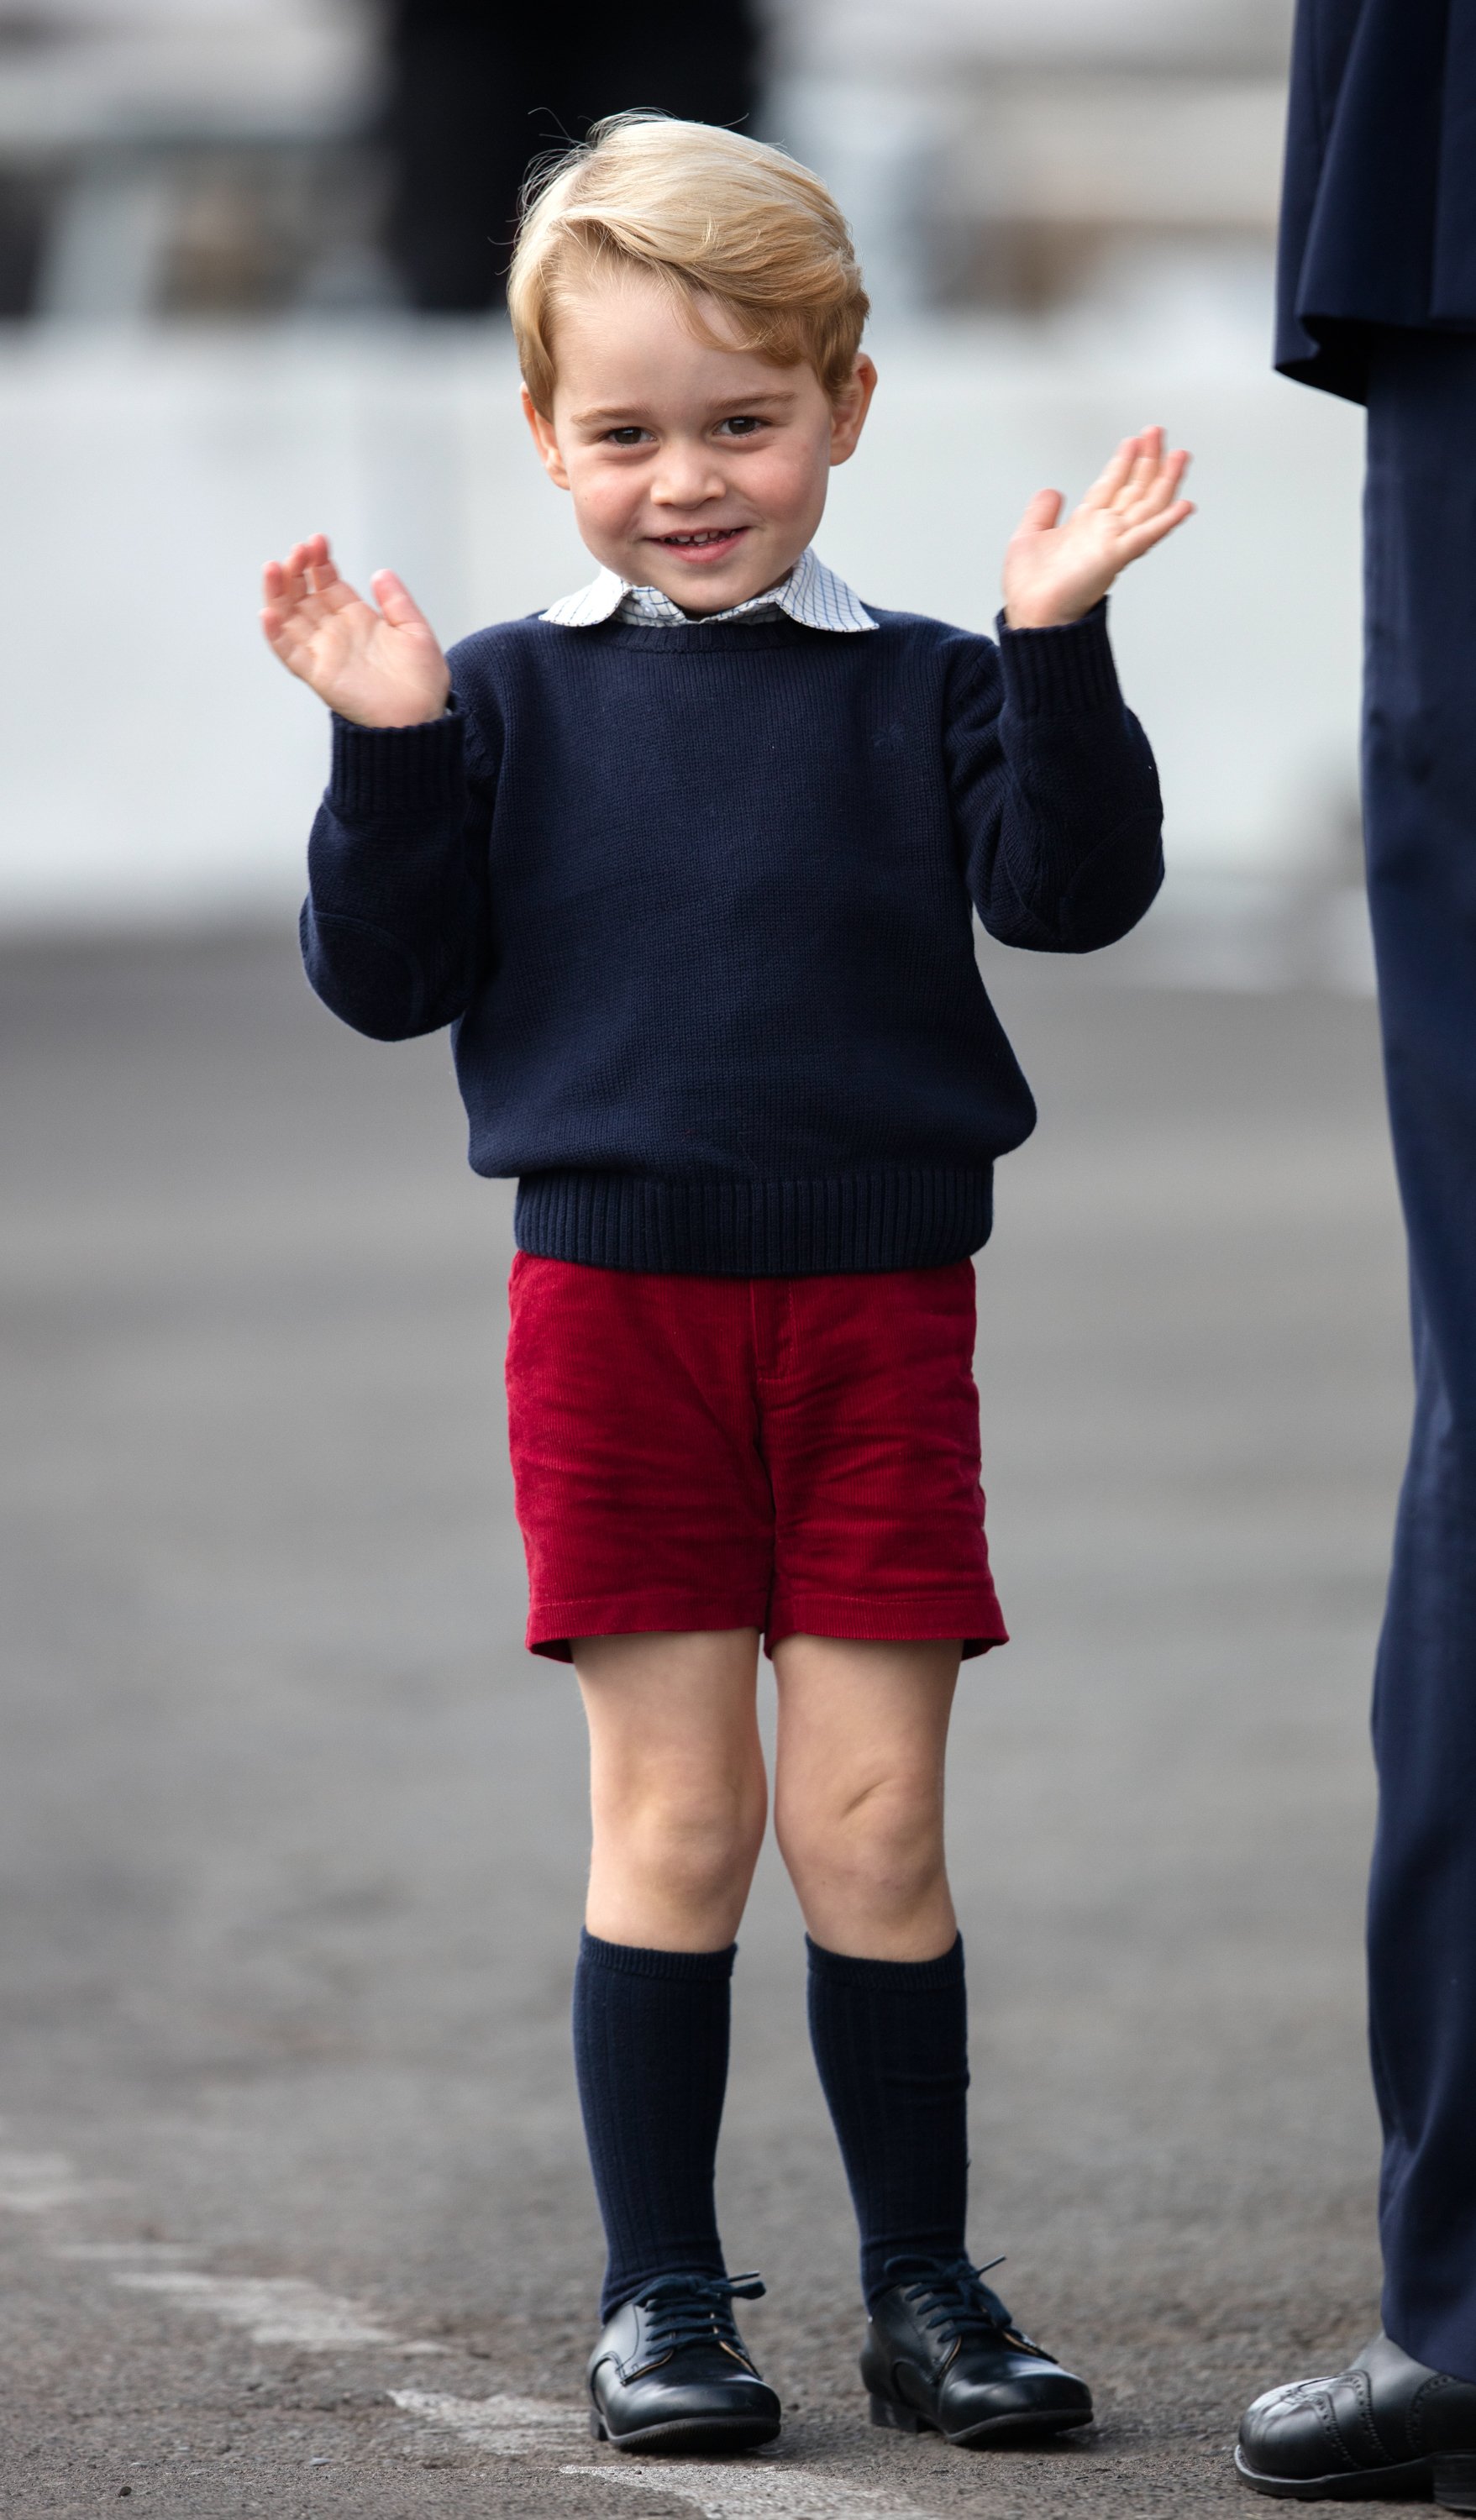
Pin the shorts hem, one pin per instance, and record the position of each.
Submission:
(552, 1624)
(902, 1619)
(908, 1618)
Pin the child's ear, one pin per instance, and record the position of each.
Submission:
(545, 442)
(850, 407)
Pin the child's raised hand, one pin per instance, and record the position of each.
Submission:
(1056, 572)
(381, 668)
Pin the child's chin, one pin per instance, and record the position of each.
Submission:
(712, 590)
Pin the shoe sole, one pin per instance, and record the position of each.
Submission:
(1450, 2481)
(691, 2432)
(891, 2417)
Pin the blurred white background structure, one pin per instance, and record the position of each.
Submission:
(1066, 211)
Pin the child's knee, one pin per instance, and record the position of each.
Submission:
(877, 1840)
(690, 1841)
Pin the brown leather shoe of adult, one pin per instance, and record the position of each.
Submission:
(1386, 2430)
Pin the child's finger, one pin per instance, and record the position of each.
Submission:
(318, 565)
(1163, 488)
(294, 586)
(1114, 474)
(306, 561)
(282, 638)
(398, 605)
(1148, 459)
(1150, 455)
(1142, 537)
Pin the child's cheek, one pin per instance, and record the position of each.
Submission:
(785, 482)
(615, 503)
(604, 492)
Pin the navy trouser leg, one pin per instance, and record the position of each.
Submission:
(1420, 811)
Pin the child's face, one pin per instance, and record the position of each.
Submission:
(697, 469)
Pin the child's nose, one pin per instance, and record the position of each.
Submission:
(685, 476)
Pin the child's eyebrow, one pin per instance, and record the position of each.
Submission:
(775, 398)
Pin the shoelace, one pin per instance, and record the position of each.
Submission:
(956, 2303)
(696, 2310)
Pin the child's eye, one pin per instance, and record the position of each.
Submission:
(743, 425)
(630, 436)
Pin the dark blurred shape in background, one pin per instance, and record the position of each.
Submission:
(477, 91)
(258, 159)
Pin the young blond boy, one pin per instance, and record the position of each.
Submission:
(688, 864)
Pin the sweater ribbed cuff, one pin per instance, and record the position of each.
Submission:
(396, 769)
(1061, 672)
(628, 1960)
(843, 1970)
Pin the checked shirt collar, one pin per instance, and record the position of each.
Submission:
(811, 594)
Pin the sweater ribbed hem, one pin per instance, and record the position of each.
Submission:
(842, 1969)
(385, 769)
(1061, 672)
(922, 1218)
(628, 1960)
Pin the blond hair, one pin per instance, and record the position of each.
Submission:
(707, 213)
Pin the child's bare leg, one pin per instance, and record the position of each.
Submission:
(679, 1794)
(677, 1786)
(859, 1815)
(858, 1795)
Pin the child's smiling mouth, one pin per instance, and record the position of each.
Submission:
(712, 542)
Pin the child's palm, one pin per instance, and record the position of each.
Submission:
(382, 668)
(1056, 572)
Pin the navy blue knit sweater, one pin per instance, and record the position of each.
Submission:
(697, 906)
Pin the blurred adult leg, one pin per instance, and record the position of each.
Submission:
(457, 142)
(699, 62)
(478, 90)
(1420, 806)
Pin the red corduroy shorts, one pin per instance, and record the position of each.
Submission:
(787, 1453)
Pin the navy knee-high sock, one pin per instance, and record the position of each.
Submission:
(891, 2041)
(651, 2055)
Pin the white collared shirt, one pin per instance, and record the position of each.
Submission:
(811, 594)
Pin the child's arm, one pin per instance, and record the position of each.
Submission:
(1055, 787)
(395, 924)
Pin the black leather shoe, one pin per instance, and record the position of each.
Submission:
(1385, 2430)
(672, 2372)
(942, 2355)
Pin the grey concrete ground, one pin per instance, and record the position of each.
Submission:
(292, 1830)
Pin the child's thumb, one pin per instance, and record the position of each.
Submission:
(1041, 513)
(395, 601)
